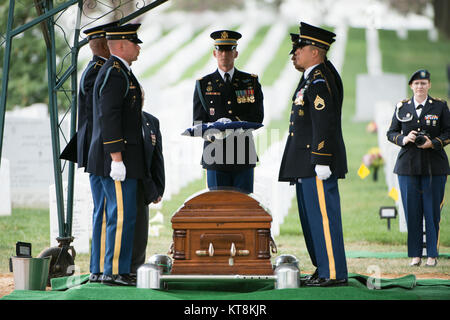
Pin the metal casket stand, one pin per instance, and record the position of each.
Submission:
(151, 276)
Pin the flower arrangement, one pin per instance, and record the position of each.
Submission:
(372, 127)
(373, 159)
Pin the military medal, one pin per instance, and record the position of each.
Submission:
(299, 97)
(431, 118)
(251, 96)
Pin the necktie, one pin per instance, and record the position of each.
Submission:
(419, 107)
(227, 78)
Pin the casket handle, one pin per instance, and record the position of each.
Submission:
(209, 252)
(233, 249)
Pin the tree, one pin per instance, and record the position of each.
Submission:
(28, 68)
(441, 11)
(441, 16)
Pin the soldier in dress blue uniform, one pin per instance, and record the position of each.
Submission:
(314, 157)
(78, 148)
(150, 189)
(116, 153)
(421, 127)
(235, 95)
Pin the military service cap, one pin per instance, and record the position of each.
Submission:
(99, 31)
(125, 32)
(421, 74)
(225, 39)
(311, 35)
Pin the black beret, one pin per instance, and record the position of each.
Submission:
(420, 74)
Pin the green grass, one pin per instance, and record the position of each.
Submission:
(417, 52)
(244, 56)
(152, 70)
(281, 57)
(26, 225)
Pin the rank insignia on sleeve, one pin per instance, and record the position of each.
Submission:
(153, 137)
(321, 145)
(319, 103)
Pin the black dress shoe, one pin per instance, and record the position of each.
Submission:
(309, 277)
(324, 282)
(315, 275)
(107, 279)
(95, 277)
(125, 280)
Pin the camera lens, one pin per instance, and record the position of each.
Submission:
(420, 140)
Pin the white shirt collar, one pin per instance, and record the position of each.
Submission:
(416, 103)
(308, 71)
(123, 61)
(222, 73)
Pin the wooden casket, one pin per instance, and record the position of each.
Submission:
(222, 232)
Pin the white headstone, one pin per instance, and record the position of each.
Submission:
(81, 216)
(383, 115)
(27, 144)
(371, 89)
(5, 188)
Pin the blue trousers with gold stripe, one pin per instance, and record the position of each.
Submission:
(98, 225)
(241, 180)
(320, 217)
(120, 211)
(422, 197)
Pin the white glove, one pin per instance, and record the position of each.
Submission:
(323, 172)
(224, 120)
(118, 171)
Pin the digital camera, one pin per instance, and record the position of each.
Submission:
(420, 138)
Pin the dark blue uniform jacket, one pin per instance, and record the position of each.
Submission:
(435, 121)
(117, 119)
(243, 102)
(315, 132)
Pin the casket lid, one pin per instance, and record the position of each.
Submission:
(221, 205)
